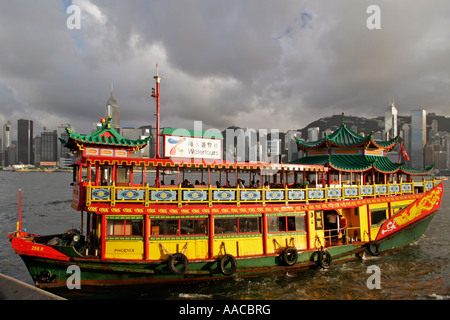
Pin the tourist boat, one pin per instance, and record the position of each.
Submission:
(342, 200)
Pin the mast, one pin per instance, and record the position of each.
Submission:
(155, 94)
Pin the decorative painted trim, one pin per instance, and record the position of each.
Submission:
(101, 194)
(224, 195)
(130, 194)
(163, 195)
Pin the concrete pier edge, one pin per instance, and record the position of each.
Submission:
(13, 289)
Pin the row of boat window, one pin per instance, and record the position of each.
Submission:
(181, 227)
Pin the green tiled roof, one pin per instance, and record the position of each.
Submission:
(359, 163)
(344, 137)
(105, 135)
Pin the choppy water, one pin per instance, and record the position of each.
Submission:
(420, 271)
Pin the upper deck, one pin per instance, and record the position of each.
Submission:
(107, 173)
(145, 182)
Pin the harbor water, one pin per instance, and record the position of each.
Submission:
(420, 271)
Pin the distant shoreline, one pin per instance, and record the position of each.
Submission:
(39, 170)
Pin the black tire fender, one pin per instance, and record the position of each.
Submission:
(324, 259)
(223, 263)
(178, 258)
(373, 248)
(289, 256)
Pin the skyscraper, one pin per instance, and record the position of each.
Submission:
(113, 111)
(6, 143)
(64, 156)
(418, 137)
(390, 122)
(313, 133)
(25, 152)
(48, 148)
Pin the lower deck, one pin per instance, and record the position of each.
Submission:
(204, 233)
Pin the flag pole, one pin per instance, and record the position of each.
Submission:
(20, 211)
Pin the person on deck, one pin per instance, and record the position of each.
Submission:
(333, 224)
(343, 228)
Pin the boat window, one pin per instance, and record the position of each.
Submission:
(124, 227)
(193, 226)
(122, 175)
(167, 227)
(225, 225)
(84, 173)
(276, 224)
(237, 225)
(106, 175)
(283, 224)
(93, 174)
(377, 216)
(248, 225)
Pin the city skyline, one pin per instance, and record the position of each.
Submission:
(46, 147)
(280, 66)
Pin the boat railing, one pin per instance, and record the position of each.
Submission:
(148, 195)
(342, 235)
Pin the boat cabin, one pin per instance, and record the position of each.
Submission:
(146, 209)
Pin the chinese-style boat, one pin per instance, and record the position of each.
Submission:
(343, 198)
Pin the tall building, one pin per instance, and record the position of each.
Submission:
(418, 137)
(313, 133)
(6, 144)
(390, 122)
(291, 145)
(64, 156)
(113, 111)
(25, 152)
(48, 146)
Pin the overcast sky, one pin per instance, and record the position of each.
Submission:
(252, 63)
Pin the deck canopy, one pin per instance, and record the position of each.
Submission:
(346, 138)
(361, 163)
(347, 151)
(105, 136)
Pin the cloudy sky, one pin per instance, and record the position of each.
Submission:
(252, 63)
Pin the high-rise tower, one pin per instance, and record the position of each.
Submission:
(25, 152)
(390, 122)
(113, 111)
(6, 143)
(418, 137)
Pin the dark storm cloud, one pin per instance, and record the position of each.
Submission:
(260, 64)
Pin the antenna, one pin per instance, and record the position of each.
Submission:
(156, 96)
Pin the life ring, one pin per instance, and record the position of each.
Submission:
(178, 258)
(226, 260)
(373, 248)
(324, 259)
(289, 256)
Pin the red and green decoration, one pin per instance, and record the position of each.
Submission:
(346, 150)
(346, 138)
(105, 136)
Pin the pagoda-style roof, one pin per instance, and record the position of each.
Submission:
(346, 138)
(105, 135)
(360, 163)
